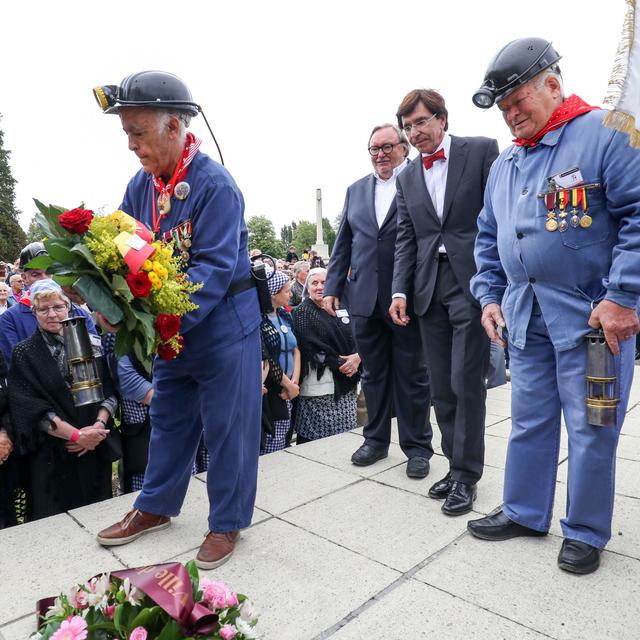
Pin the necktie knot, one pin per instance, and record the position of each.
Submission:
(428, 161)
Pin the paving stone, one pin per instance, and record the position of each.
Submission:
(44, 558)
(336, 452)
(629, 447)
(495, 451)
(627, 477)
(519, 580)
(19, 630)
(416, 610)
(286, 480)
(301, 583)
(395, 527)
(631, 426)
(186, 531)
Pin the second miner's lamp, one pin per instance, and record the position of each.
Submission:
(86, 387)
(602, 383)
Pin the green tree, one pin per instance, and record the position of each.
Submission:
(304, 235)
(12, 237)
(34, 234)
(286, 235)
(263, 236)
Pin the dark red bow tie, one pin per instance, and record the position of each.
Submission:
(428, 161)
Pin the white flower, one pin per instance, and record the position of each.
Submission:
(56, 609)
(245, 629)
(97, 594)
(131, 594)
(248, 612)
(36, 636)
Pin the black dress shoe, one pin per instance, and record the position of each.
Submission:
(460, 499)
(418, 467)
(499, 527)
(440, 490)
(578, 557)
(367, 455)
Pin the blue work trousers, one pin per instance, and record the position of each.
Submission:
(544, 383)
(218, 391)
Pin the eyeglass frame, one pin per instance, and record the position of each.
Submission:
(57, 308)
(381, 148)
(418, 124)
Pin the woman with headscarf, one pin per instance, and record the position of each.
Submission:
(283, 357)
(330, 366)
(69, 460)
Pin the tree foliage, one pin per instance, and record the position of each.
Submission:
(304, 235)
(33, 232)
(12, 237)
(263, 236)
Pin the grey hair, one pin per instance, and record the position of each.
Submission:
(14, 276)
(5, 286)
(183, 117)
(299, 266)
(49, 293)
(402, 138)
(552, 71)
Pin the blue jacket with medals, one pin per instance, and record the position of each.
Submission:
(218, 253)
(571, 270)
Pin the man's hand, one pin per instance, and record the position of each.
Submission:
(105, 324)
(618, 323)
(330, 303)
(398, 312)
(6, 446)
(492, 321)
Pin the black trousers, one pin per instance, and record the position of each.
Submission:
(457, 353)
(395, 382)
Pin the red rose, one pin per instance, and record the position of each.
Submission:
(167, 325)
(167, 352)
(139, 284)
(76, 220)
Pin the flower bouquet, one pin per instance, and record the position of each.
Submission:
(115, 264)
(160, 602)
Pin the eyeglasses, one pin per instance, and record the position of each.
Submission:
(385, 148)
(57, 308)
(421, 124)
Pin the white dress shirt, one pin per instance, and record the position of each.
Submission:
(436, 180)
(385, 192)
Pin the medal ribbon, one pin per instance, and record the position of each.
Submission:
(190, 148)
(571, 108)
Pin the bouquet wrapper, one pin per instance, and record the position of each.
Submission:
(169, 586)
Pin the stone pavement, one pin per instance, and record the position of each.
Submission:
(349, 553)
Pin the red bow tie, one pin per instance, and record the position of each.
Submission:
(428, 161)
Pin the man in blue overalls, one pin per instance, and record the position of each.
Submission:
(558, 255)
(215, 382)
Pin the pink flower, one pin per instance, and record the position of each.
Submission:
(227, 632)
(77, 598)
(139, 633)
(109, 611)
(73, 628)
(217, 594)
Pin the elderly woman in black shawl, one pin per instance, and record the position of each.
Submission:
(69, 461)
(330, 366)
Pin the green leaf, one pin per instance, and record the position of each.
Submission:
(65, 280)
(192, 570)
(147, 617)
(146, 328)
(47, 220)
(171, 631)
(124, 342)
(40, 262)
(119, 285)
(60, 251)
(99, 297)
(82, 250)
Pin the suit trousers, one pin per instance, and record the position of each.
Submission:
(217, 390)
(546, 382)
(395, 381)
(457, 352)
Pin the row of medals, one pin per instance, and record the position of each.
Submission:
(181, 191)
(561, 200)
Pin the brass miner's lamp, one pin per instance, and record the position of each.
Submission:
(86, 387)
(602, 383)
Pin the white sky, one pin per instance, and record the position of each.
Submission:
(290, 88)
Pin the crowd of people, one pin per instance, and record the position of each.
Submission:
(442, 266)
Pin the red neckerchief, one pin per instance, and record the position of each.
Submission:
(190, 148)
(26, 299)
(571, 108)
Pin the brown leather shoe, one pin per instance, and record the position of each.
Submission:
(135, 524)
(216, 549)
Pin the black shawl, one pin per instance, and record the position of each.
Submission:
(36, 387)
(322, 339)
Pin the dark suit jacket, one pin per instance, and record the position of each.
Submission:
(420, 232)
(364, 248)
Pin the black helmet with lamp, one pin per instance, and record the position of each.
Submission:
(31, 251)
(514, 65)
(147, 89)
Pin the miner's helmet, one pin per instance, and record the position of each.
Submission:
(147, 89)
(515, 64)
(31, 251)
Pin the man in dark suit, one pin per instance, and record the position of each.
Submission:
(394, 372)
(439, 198)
